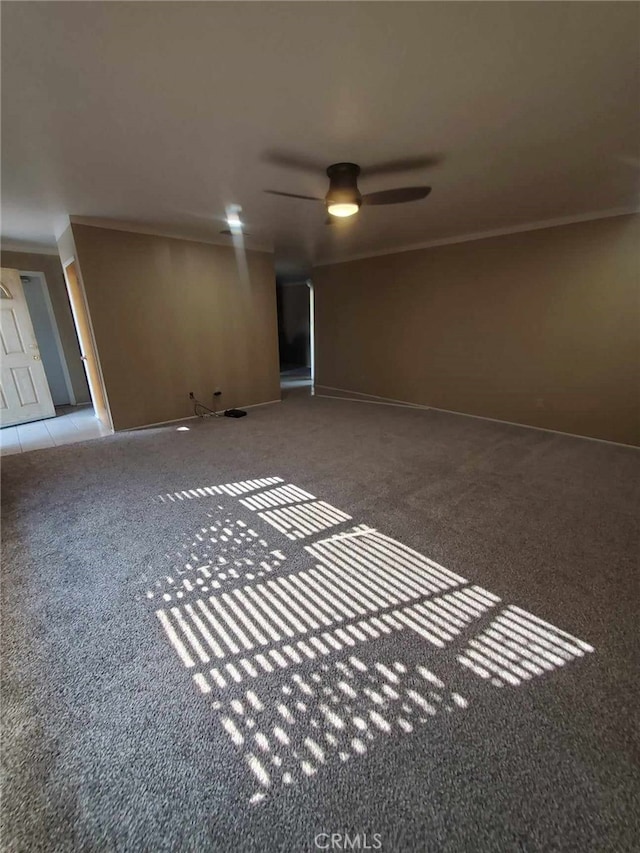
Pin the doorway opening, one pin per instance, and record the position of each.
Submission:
(296, 336)
(39, 406)
(50, 347)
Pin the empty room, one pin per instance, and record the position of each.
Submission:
(319, 426)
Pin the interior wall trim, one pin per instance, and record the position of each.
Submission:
(27, 248)
(255, 405)
(486, 235)
(371, 402)
(372, 398)
(192, 417)
(388, 402)
(250, 244)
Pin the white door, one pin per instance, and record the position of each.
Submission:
(24, 391)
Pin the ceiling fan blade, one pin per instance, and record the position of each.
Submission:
(294, 195)
(406, 164)
(289, 160)
(397, 196)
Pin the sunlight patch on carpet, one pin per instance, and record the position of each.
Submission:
(241, 621)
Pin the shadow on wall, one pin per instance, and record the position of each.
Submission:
(369, 640)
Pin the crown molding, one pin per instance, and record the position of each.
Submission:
(485, 235)
(158, 231)
(27, 248)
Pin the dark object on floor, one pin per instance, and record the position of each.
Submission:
(234, 413)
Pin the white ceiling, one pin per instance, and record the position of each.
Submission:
(161, 114)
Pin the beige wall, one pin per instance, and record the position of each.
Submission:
(52, 269)
(539, 328)
(172, 316)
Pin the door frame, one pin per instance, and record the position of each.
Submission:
(56, 333)
(92, 342)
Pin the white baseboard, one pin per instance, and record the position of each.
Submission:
(158, 424)
(389, 401)
(255, 405)
(540, 429)
(383, 401)
(370, 402)
(195, 417)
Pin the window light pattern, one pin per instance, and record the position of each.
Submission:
(332, 714)
(280, 496)
(221, 550)
(240, 619)
(211, 491)
(301, 521)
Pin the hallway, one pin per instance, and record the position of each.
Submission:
(295, 379)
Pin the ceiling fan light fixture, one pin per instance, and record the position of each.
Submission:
(343, 198)
(342, 208)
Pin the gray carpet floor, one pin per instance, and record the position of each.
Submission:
(469, 684)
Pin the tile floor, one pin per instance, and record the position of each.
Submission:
(71, 424)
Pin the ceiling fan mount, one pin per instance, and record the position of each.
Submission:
(344, 199)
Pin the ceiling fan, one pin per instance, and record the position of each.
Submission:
(343, 198)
